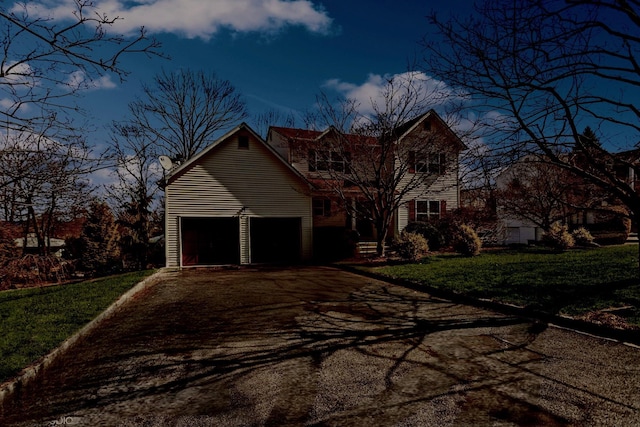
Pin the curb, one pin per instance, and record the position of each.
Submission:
(600, 331)
(27, 375)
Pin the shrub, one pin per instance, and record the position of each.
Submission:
(34, 270)
(466, 241)
(611, 227)
(582, 237)
(435, 236)
(558, 237)
(411, 246)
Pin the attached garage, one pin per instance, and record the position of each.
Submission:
(275, 240)
(237, 202)
(210, 241)
(217, 241)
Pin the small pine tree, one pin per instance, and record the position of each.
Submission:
(98, 243)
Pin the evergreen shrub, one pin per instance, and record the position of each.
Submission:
(411, 246)
(558, 237)
(466, 241)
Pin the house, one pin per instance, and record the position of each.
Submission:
(437, 167)
(237, 202)
(244, 200)
(31, 245)
(532, 194)
(425, 160)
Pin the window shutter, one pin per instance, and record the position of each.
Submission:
(412, 210)
(443, 163)
(412, 162)
(443, 208)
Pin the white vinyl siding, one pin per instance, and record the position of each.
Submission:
(443, 188)
(232, 182)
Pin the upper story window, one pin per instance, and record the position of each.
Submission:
(325, 160)
(432, 163)
(437, 163)
(243, 141)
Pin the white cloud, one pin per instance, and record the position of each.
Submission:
(375, 90)
(78, 81)
(18, 75)
(198, 18)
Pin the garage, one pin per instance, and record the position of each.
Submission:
(237, 202)
(275, 240)
(210, 241)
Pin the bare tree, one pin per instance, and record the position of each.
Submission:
(43, 181)
(263, 121)
(371, 160)
(182, 111)
(540, 71)
(44, 62)
(544, 193)
(138, 176)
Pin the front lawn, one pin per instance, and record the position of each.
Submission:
(34, 321)
(574, 282)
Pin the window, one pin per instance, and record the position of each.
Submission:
(437, 162)
(427, 210)
(421, 166)
(321, 206)
(324, 160)
(243, 141)
(433, 163)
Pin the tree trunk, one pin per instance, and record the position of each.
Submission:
(381, 231)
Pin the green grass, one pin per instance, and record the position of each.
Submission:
(573, 282)
(35, 321)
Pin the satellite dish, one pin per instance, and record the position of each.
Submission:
(165, 162)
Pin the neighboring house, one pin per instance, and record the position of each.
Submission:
(237, 202)
(55, 245)
(436, 193)
(29, 245)
(532, 195)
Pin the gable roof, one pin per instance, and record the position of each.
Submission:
(242, 126)
(294, 133)
(308, 136)
(407, 127)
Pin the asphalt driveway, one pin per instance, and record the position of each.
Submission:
(320, 346)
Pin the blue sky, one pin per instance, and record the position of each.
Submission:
(279, 54)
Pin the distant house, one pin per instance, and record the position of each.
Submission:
(54, 244)
(534, 194)
(30, 245)
(237, 202)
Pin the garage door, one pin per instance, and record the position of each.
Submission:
(275, 240)
(210, 241)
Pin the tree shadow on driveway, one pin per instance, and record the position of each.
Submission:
(309, 346)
